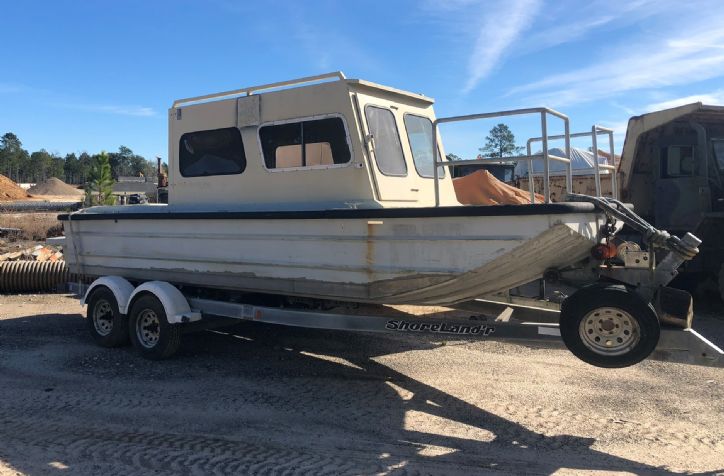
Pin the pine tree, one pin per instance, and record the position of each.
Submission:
(100, 181)
(500, 142)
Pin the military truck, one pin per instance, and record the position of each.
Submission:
(672, 170)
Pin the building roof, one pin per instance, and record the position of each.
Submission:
(582, 162)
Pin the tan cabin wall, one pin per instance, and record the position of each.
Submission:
(257, 184)
(357, 183)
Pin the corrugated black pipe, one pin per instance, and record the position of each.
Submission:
(32, 276)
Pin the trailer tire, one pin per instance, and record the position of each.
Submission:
(107, 326)
(149, 329)
(609, 326)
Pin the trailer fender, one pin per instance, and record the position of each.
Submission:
(119, 286)
(174, 303)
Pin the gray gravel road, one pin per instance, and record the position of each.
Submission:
(259, 399)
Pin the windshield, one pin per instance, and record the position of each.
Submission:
(719, 153)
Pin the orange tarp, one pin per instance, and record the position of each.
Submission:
(482, 188)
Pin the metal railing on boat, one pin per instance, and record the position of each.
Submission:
(544, 155)
(596, 130)
(338, 75)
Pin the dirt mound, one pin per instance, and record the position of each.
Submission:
(9, 190)
(54, 186)
(482, 188)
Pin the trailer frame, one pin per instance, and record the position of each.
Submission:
(486, 320)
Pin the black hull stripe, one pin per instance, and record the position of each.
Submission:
(428, 212)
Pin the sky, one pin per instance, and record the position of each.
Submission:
(91, 76)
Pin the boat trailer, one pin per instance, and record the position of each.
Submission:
(155, 314)
(675, 344)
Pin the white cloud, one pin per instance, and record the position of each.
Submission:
(63, 101)
(565, 34)
(566, 22)
(713, 98)
(689, 44)
(126, 110)
(628, 110)
(651, 63)
(499, 27)
(138, 111)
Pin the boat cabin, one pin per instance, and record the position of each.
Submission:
(316, 143)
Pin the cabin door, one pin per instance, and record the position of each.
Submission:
(386, 155)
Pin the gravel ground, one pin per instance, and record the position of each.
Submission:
(260, 399)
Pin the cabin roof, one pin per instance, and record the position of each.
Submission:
(301, 83)
(379, 87)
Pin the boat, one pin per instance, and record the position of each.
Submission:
(330, 188)
(290, 199)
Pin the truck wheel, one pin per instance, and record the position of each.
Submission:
(609, 326)
(151, 334)
(107, 326)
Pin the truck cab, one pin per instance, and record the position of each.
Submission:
(672, 170)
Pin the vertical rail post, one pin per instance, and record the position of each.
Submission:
(546, 163)
(435, 164)
(614, 172)
(531, 183)
(596, 168)
(569, 166)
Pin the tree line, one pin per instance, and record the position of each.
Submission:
(25, 167)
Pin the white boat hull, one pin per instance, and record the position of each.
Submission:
(395, 260)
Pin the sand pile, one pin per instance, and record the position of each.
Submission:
(9, 190)
(482, 188)
(54, 186)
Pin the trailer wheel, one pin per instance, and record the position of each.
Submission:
(150, 332)
(609, 326)
(107, 326)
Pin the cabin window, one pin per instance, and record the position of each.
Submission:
(419, 134)
(387, 145)
(311, 143)
(214, 152)
(677, 161)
